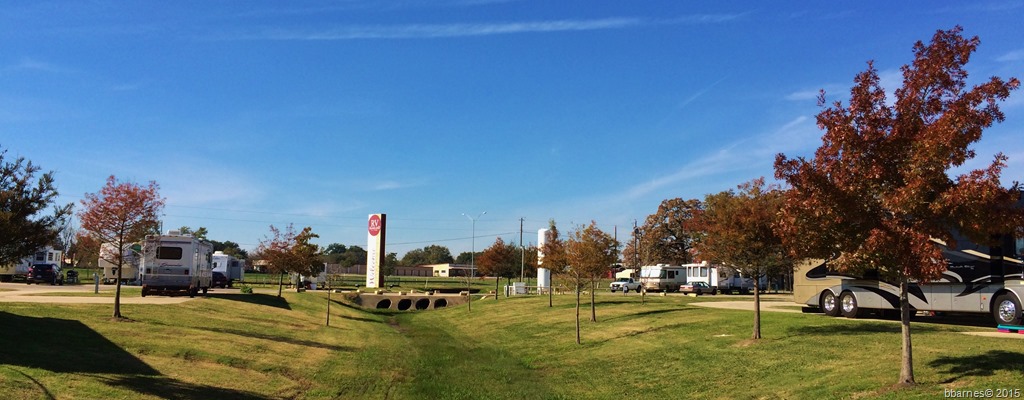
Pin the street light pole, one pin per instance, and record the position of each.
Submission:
(472, 259)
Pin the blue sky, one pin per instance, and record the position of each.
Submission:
(321, 112)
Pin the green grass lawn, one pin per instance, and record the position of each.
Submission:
(258, 346)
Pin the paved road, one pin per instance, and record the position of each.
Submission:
(25, 293)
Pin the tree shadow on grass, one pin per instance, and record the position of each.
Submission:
(254, 298)
(858, 328)
(979, 365)
(648, 313)
(167, 388)
(63, 346)
(281, 339)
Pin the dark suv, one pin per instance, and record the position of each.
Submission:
(45, 273)
(220, 280)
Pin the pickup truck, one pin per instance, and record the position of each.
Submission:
(624, 285)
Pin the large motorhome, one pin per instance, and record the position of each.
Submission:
(662, 277)
(130, 271)
(176, 263)
(19, 270)
(977, 279)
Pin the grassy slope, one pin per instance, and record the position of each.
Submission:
(258, 346)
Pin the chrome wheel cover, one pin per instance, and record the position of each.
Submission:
(830, 302)
(848, 303)
(1007, 310)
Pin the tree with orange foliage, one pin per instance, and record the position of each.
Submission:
(738, 230)
(290, 252)
(501, 260)
(878, 187)
(589, 252)
(121, 213)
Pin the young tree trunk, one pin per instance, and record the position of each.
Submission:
(907, 366)
(757, 309)
(593, 306)
(280, 284)
(577, 314)
(496, 281)
(551, 287)
(117, 293)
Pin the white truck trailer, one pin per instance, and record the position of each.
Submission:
(176, 263)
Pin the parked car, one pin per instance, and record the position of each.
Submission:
(220, 280)
(624, 285)
(45, 273)
(697, 288)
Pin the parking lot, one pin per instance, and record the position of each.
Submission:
(24, 293)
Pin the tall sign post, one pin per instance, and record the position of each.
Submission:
(375, 256)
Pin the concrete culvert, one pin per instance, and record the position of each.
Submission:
(384, 304)
(422, 304)
(440, 303)
(404, 304)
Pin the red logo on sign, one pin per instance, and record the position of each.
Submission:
(374, 225)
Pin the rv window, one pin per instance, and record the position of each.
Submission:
(703, 272)
(40, 256)
(49, 256)
(168, 253)
(671, 274)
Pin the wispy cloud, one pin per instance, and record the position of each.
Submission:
(429, 31)
(450, 30)
(1015, 55)
(30, 64)
(795, 135)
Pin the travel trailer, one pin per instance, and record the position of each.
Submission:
(228, 265)
(19, 270)
(130, 270)
(977, 279)
(175, 263)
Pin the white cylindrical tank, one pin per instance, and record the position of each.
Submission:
(543, 274)
(543, 278)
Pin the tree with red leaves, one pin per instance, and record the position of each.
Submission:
(501, 260)
(878, 187)
(738, 230)
(290, 252)
(121, 213)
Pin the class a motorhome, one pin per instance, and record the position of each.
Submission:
(977, 279)
(176, 263)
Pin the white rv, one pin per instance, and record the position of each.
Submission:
(729, 280)
(176, 263)
(19, 270)
(130, 270)
(662, 277)
(702, 272)
(228, 265)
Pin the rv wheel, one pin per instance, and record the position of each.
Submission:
(1007, 310)
(192, 292)
(205, 289)
(848, 304)
(829, 304)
